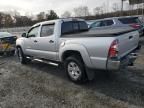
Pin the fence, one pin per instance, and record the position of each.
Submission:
(15, 31)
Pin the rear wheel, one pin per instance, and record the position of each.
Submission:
(75, 69)
(22, 58)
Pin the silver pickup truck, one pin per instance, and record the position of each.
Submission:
(69, 41)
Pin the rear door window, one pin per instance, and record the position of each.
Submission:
(47, 30)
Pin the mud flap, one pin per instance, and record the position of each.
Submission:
(90, 74)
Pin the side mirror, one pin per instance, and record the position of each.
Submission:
(24, 35)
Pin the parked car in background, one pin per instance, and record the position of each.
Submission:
(89, 22)
(7, 43)
(107, 23)
(141, 18)
(69, 41)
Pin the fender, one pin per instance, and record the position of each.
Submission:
(20, 42)
(76, 47)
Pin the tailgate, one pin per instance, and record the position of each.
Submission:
(128, 42)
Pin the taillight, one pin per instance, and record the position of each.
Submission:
(135, 26)
(113, 51)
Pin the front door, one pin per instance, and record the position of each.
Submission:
(31, 42)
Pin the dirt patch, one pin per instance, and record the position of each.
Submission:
(40, 85)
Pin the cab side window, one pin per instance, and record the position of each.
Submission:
(33, 32)
(73, 27)
(47, 30)
(67, 28)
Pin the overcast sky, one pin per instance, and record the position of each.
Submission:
(35, 6)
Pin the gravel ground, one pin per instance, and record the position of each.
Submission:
(40, 85)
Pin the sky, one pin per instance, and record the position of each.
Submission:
(60, 6)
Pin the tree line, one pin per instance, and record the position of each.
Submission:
(17, 20)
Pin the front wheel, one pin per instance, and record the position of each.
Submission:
(75, 69)
(22, 58)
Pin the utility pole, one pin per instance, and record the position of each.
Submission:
(107, 6)
(143, 7)
(122, 5)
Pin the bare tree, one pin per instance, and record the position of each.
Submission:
(104, 8)
(81, 11)
(8, 21)
(115, 7)
(98, 10)
(66, 14)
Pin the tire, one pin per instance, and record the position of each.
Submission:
(22, 58)
(75, 69)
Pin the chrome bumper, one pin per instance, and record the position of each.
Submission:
(115, 64)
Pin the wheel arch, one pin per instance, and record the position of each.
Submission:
(72, 49)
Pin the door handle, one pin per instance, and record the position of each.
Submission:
(51, 41)
(130, 37)
(35, 41)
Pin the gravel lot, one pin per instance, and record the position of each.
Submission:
(40, 85)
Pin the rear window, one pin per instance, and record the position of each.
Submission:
(73, 27)
(129, 20)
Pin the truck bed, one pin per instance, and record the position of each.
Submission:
(102, 33)
(98, 42)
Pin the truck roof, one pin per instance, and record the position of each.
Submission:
(58, 20)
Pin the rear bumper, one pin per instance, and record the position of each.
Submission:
(128, 60)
